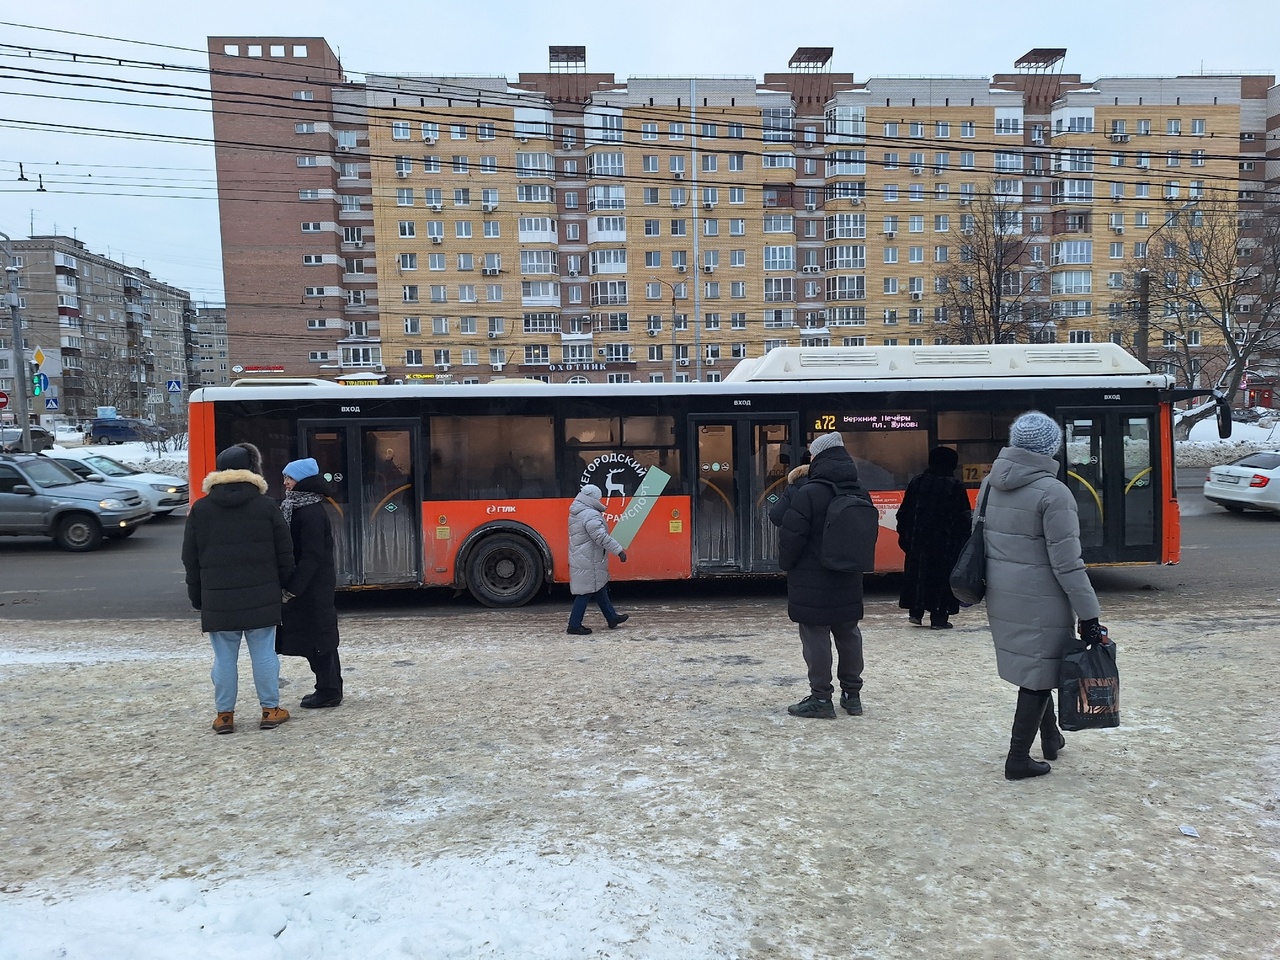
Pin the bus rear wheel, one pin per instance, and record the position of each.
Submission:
(504, 571)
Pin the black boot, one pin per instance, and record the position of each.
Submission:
(1051, 738)
(1026, 724)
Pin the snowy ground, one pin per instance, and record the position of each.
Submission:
(494, 788)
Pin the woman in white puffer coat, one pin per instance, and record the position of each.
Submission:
(589, 549)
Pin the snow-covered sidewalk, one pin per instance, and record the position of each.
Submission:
(494, 788)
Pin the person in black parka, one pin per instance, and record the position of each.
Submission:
(237, 556)
(309, 627)
(825, 604)
(933, 525)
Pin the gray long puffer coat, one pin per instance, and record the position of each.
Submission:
(1037, 586)
(589, 543)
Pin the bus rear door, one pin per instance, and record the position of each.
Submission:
(377, 521)
(739, 463)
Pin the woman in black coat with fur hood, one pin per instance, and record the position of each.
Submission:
(309, 624)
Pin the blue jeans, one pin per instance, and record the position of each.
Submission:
(601, 598)
(226, 675)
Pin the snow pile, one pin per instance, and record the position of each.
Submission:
(1205, 449)
(514, 904)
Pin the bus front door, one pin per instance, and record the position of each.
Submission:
(377, 525)
(1112, 465)
(742, 466)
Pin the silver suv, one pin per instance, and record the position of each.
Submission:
(11, 439)
(39, 497)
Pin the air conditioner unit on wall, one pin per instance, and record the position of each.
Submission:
(344, 148)
(708, 269)
(436, 238)
(917, 296)
(495, 366)
(856, 201)
(428, 139)
(488, 207)
(681, 268)
(493, 334)
(402, 174)
(684, 363)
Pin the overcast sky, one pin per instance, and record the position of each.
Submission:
(151, 203)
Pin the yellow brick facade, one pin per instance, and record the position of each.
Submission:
(820, 234)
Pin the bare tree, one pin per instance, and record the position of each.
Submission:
(987, 287)
(1214, 294)
(109, 376)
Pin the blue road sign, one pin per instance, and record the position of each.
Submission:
(44, 382)
(51, 403)
(175, 386)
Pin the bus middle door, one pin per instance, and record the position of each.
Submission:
(741, 466)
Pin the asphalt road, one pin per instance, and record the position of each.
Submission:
(141, 578)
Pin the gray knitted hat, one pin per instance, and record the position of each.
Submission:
(825, 442)
(1036, 432)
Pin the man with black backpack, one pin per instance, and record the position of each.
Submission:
(827, 537)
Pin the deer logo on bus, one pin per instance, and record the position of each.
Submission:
(611, 486)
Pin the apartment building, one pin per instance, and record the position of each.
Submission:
(110, 334)
(573, 227)
(208, 335)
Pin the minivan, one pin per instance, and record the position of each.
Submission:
(123, 429)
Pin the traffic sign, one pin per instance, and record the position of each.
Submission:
(51, 403)
(38, 358)
(175, 386)
(4, 399)
(44, 381)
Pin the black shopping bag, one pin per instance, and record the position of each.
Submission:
(1089, 688)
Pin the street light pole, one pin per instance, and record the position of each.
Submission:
(18, 351)
(671, 287)
(1142, 336)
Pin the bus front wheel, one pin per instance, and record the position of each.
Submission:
(504, 571)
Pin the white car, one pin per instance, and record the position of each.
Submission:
(164, 493)
(1252, 481)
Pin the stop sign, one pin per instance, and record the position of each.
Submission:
(4, 399)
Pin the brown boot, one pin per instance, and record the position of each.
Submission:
(272, 717)
(225, 722)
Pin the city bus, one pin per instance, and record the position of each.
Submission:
(468, 486)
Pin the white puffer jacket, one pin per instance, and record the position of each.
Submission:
(589, 543)
(1037, 586)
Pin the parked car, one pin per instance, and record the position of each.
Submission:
(1250, 482)
(40, 497)
(11, 439)
(163, 492)
(123, 429)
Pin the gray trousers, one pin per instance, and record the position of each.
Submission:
(815, 641)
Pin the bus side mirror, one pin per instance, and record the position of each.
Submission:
(1224, 415)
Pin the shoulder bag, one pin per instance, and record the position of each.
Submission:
(969, 576)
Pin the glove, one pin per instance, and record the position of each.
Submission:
(623, 556)
(1091, 632)
(286, 596)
